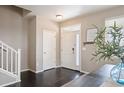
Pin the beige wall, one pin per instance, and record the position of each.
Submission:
(98, 19)
(24, 44)
(32, 43)
(12, 32)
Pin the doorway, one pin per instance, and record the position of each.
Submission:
(70, 47)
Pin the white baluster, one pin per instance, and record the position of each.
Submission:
(13, 58)
(11, 61)
(1, 55)
(16, 63)
(7, 55)
(19, 63)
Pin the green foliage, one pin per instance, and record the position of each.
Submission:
(106, 49)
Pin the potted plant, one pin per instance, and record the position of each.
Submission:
(107, 49)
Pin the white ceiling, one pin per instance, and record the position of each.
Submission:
(68, 11)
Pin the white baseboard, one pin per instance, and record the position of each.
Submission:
(25, 70)
(31, 70)
(58, 66)
(39, 71)
(84, 72)
(35, 71)
(71, 68)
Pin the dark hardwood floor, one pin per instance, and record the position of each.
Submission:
(50, 78)
(93, 79)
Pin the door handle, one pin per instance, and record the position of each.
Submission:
(73, 50)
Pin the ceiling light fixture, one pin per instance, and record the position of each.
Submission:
(59, 17)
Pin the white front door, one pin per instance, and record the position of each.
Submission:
(49, 49)
(70, 50)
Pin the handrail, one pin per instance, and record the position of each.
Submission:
(8, 46)
(3, 49)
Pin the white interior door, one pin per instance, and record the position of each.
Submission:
(70, 50)
(49, 49)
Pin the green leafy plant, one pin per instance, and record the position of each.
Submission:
(106, 49)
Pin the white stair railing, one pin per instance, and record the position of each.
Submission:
(10, 60)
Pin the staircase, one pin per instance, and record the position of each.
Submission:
(9, 64)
